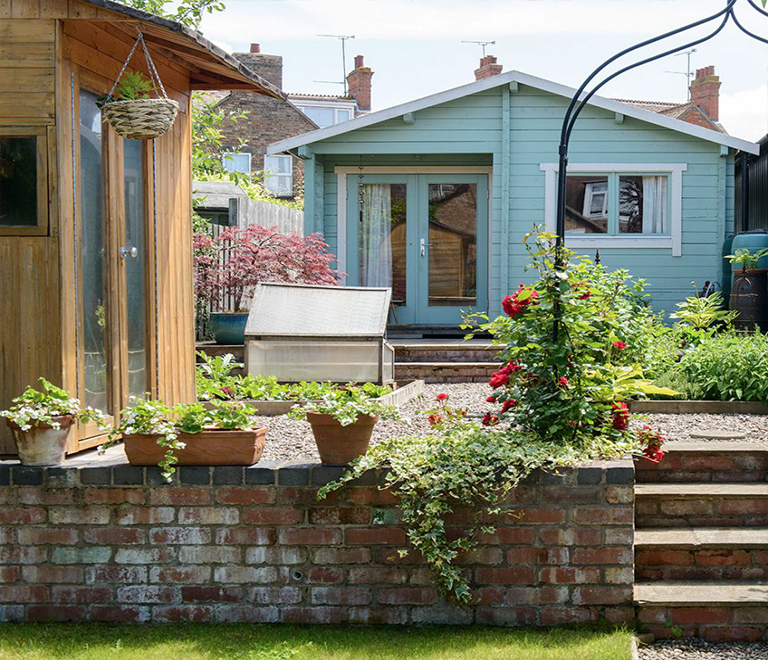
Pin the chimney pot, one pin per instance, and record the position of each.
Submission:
(488, 68)
(705, 92)
(359, 84)
(359, 62)
(255, 48)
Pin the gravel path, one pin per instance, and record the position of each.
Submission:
(288, 439)
(696, 649)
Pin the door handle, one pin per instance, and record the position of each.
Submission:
(126, 252)
(423, 247)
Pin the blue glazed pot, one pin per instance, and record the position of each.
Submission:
(228, 327)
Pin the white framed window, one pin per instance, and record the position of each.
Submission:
(619, 205)
(237, 162)
(326, 113)
(278, 175)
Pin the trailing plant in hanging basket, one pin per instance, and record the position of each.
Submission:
(129, 107)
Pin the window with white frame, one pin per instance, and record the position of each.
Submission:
(237, 162)
(325, 113)
(619, 205)
(278, 175)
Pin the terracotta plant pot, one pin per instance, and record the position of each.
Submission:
(337, 444)
(209, 447)
(42, 444)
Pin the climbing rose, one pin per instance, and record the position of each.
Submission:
(512, 305)
(586, 294)
(491, 399)
(563, 381)
(509, 403)
(434, 420)
(490, 420)
(620, 345)
(620, 416)
(498, 379)
(441, 397)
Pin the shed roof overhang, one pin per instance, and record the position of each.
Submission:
(210, 67)
(511, 77)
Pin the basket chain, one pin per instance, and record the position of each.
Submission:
(150, 63)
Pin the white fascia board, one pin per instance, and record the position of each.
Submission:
(504, 79)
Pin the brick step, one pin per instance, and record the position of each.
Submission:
(446, 352)
(714, 611)
(212, 349)
(445, 372)
(701, 505)
(701, 554)
(707, 462)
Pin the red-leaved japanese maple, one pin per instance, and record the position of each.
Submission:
(233, 263)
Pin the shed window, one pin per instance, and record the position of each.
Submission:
(240, 162)
(278, 175)
(23, 181)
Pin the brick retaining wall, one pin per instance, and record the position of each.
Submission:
(252, 544)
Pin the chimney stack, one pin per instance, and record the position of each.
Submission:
(705, 92)
(269, 67)
(488, 68)
(359, 84)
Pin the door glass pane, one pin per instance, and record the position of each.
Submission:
(18, 181)
(586, 205)
(93, 260)
(452, 244)
(135, 266)
(381, 237)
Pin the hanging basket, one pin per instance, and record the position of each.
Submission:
(140, 119)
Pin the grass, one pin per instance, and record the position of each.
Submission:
(262, 642)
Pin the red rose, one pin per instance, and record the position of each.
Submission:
(620, 416)
(434, 420)
(441, 397)
(653, 453)
(510, 306)
(491, 399)
(461, 412)
(509, 403)
(620, 345)
(490, 420)
(498, 379)
(563, 381)
(585, 296)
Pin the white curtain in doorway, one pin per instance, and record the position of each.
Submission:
(655, 205)
(375, 244)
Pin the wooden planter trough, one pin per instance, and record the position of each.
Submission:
(209, 447)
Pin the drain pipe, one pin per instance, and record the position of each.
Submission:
(744, 191)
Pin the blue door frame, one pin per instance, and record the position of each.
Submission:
(417, 310)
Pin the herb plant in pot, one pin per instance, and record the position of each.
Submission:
(229, 266)
(342, 421)
(40, 421)
(189, 434)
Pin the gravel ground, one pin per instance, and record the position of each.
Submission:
(288, 439)
(696, 649)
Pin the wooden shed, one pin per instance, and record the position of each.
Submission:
(95, 230)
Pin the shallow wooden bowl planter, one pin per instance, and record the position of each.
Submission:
(209, 447)
(42, 444)
(337, 444)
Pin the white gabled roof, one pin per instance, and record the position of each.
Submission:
(504, 79)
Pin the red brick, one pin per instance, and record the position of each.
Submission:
(276, 555)
(378, 615)
(144, 555)
(515, 575)
(514, 535)
(311, 536)
(407, 596)
(323, 575)
(47, 535)
(340, 516)
(47, 496)
(750, 615)
(490, 595)
(14, 554)
(539, 516)
(733, 633)
(569, 575)
(179, 574)
(539, 595)
(613, 595)
(116, 574)
(488, 556)
(719, 462)
(115, 536)
(10, 593)
(341, 556)
(391, 556)
(210, 593)
(245, 574)
(375, 536)
(180, 535)
(371, 497)
(9, 573)
(699, 615)
(8, 535)
(46, 574)
(56, 613)
(663, 558)
(81, 595)
(297, 496)
(570, 536)
(328, 615)
(209, 554)
(209, 516)
(119, 614)
(145, 594)
(586, 556)
(245, 614)
(275, 595)
(505, 616)
(377, 575)
(556, 616)
(90, 515)
(114, 496)
(537, 556)
(179, 495)
(244, 495)
(272, 516)
(340, 596)
(27, 516)
(686, 507)
(177, 613)
(722, 558)
(612, 516)
(139, 515)
(245, 536)
(737, 507)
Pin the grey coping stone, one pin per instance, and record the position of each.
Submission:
(370, 478)
(715, 447)
(703, 491)
(61, 477)
(719, 434)
(294, 474)
(589, 476)
(25, 475)
(5, 475)
(128, 475)
(325, 474)
(96, 476)
(620, 475)
(701, 594)
(195, 475)
(228, 475)
(702, 537)
(263, 473)
(154, 476)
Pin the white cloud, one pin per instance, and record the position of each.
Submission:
(745, 113)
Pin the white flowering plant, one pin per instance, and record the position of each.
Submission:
(347, 403)
(46, 405)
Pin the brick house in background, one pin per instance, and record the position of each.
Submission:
(703, 109)
(270, 120)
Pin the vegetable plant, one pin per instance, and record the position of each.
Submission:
(34, 407)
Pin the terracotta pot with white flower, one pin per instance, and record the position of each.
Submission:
(40, 422)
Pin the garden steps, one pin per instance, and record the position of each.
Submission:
(445, 372)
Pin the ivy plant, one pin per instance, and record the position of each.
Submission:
(346, 404)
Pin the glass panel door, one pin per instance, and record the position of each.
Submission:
(133, 253)
(93, 355)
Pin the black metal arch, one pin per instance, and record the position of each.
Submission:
(591, 86)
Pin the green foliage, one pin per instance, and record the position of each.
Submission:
(728, 367)
(34, 407)
(133, 86)
(702, 313)
(186, 12)
(347, 403)
(746, 259)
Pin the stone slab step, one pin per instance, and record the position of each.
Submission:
(702, 491)
(446, 372)
(715, 447)
(701, 594)
(702, 537)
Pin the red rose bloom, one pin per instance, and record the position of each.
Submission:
(490, 420)
(563, 382)
(653, 453)
(586, 294)
(509, 403)
(620, 345)
(499, 378)
(510, 306)
(434, 420)
(491, 399)
(620, 416)
(441, 397)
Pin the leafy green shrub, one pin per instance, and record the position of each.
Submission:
(729, 367)
(347, 403)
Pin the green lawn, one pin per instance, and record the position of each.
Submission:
(259, 642)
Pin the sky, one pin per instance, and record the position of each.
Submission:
(415, 47)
